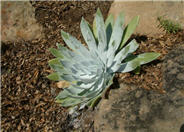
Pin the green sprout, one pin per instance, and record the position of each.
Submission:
(168, 25)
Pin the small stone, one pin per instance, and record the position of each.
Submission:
(143, 112)
(18, 80)
(138, 94)
(53, 91)
(133, 117)
(43, 86)
(19, 24)
(180, 76)
(76, 123)
(173, 71)
(13, 117)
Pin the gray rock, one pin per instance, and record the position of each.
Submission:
(148, 12)
(174, 81)
(130, 109)
(18, 21)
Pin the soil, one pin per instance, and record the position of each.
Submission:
(28, 96)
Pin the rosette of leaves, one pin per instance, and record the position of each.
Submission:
(90, 71)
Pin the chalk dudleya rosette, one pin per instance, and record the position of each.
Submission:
(91, 70)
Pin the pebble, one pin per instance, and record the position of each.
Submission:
(180, 76)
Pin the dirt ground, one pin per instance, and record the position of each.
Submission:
(28, 96)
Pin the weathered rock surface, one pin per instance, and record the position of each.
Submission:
(130, 109)
(148, 12)
(18, 21)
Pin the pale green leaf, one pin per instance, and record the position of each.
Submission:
(95, 29)
(117, 32)
(56, 52)
(54, 76)
(115, 38)
(109, 23)
(73, 90)
(101, 33)
(63, 94)
(54, 61)
(69, 102)
(130, 48)
(129, 30)
(137, 70)
(139, 60)
(74, 44)
(109, 20)
(88, 35)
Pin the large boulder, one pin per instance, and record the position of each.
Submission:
(18, 21)
(130, 109)
(148, 12)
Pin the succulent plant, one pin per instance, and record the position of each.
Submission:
(90, 71)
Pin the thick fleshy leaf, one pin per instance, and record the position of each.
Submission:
(55, 64)
(129, 30)
(95, 29)
(67, 65)
(113, 62)
(67, 54)
(55, 61)
(56, 52)
(130, 48)
(68, 77)
(99, 83)
(147, 57)
(73, 91)
(137, 70)
(54, 76)
(59, 69)
(74, 56)
(77, 68)
(87, 80)
(109, 20)
(109, 23)
(117, 32)
(101, 33)
(82, 69)
(88, 35)
(63, 94)
(74, 44)
(139, 60)
(115, 38)
(69, 102)
(93, 102)
(84, 86)
(95, 90)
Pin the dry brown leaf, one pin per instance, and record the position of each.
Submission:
(63, 84)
